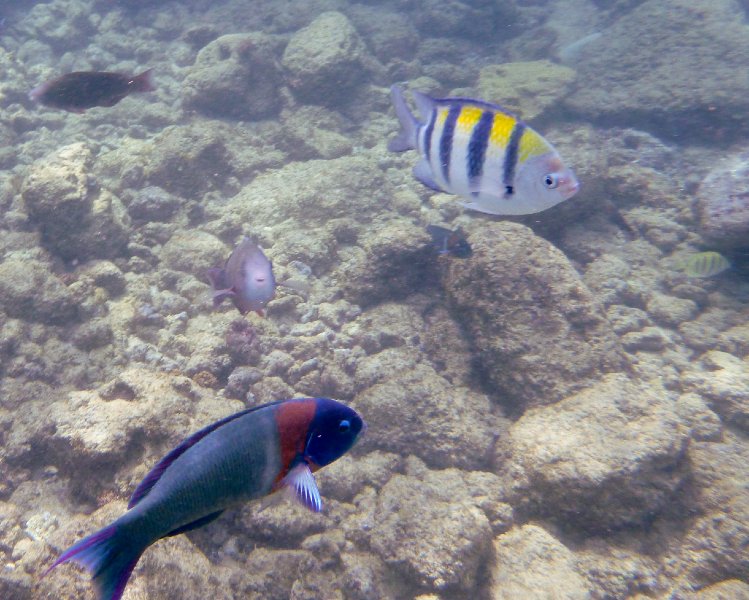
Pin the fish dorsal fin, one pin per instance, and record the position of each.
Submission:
(145, 486)
(196, 523)
(424, 104)
(301, 480)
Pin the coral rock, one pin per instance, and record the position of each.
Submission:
(723, 203)
(429, 533)
(323, 61)
(77, 220)
(539, 333)
(530, 563)
(607, 457)
(235, 76)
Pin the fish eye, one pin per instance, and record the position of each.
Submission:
(344, 426)
(551, 181)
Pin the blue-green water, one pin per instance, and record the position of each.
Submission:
(562, 414)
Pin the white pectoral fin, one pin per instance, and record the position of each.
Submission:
(302, 483)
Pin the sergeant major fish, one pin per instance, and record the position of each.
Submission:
(75, 92)
(242, 457)
(481, 152)
(247, 278)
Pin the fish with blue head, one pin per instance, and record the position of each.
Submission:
(246, 278)
(483, 153)
(242, 457)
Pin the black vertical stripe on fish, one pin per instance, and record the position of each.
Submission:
(511, 158)
(478, 144)
(446, 141)
(428, 135)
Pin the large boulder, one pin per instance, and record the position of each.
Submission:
(418, 413)
(78, 220)
(723, 203)
(538, 332)
(324, 61)
(235, 76)
(431, 529)
(608, 457)
(28, 290)
(669, 65)
(529, 562)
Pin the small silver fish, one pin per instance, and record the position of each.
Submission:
(246, 278)
(706, 264)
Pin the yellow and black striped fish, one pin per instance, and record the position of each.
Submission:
(484, 154)
(706, 264)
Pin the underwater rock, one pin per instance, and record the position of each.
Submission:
(538, 332)
(723, 204)
(421, 414)
(107, 424)
(715, 545)
(104, 274)
(193, 251)
(527, 89)
(315, 132)
(722, 383)
(431, 530)
(731, 589)
(467, 19)
(63, 24)
(529, 562)
(671, 311)
(640, 71)
(391, 35)
(78, 220)
(324, 61)
(351, 475)
(390, 263)
(607, 457)
(151, 203)
(28, 290)
(188, 160)
(236, 77)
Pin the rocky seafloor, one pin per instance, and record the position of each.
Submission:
(563, 415)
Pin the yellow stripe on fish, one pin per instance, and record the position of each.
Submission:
(468, 119)
(532, 144)
(502, 126)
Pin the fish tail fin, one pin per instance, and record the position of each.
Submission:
(406, 139)
(109, 556)
(39, 91)
(144, 82)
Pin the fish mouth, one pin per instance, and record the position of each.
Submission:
(569, 187)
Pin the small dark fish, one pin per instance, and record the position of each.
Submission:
(449, 242)
(243, 457)
(75, 92)
(247, 278)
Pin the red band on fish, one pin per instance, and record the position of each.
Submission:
(293, 420)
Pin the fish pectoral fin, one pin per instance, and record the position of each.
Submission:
(423, 172)
(481, 207)
(197, 523)
(220, 295)
(302, 482)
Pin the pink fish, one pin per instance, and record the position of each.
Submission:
(247, 278)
